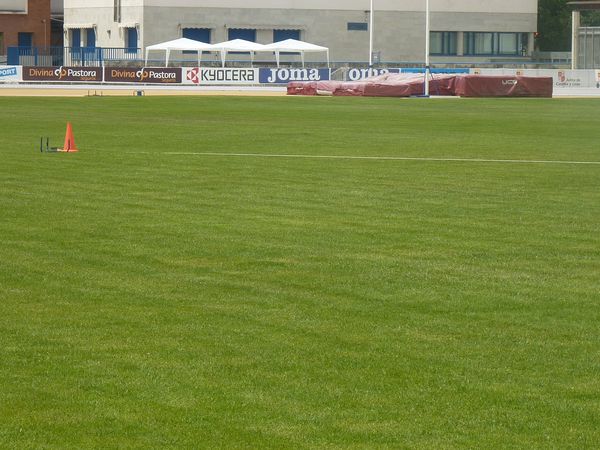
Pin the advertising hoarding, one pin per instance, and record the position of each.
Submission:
(283, 76)
(146, 75)
(11, 74)
(563, 79)
(358, 74)
(71, 74)
(218, 75)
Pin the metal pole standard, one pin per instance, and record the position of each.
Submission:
(427, 32)
(576, 23)
(371, 36)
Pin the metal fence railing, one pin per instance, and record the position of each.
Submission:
(71, 56)
(552, 57)
(106, 56)
(589, 48)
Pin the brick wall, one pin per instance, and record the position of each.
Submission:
(13, 24)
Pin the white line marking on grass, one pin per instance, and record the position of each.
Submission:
(381, 158)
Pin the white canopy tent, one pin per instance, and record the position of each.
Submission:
(295, 46)
(182, 44)
(238, 45)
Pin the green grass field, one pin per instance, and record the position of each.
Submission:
(159, 300)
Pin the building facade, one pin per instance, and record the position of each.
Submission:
(585, 41)
(462, 30)
(58, 19)
(24, 23)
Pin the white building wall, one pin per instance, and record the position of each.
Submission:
(101, 14)
(399, 24)
(476, 6)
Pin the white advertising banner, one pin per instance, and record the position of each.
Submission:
(201, 76)
(571, 78)
(11, 74)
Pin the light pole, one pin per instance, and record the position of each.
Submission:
(427, 33)
(371, 36)
(45, 33)
(576, 23)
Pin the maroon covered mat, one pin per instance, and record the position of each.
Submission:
(365, 89)
(312, 87)
(302, 88)
(503, 86)
(406, 85)
(350, 89)
(386, 90)
(396, 86)
(438, 85)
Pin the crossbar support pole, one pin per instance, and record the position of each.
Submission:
(371, 36)
(576, 23)
(427, 32)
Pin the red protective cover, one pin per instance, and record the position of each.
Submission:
(327, 87)
(302, 88)
(372, 89)
(312, 87)
(350, 89)
(439, 85)
(503, 86)
(386, 90)
(397, 85)
(402, 85)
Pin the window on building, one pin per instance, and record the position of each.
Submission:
(443, 43)
(523, 44)
(358, 26)
(486, 44)
(507, 43)
(90, 38)
(2, 43)
(75, 38)
(483, 43)
(197, 34)
(25, 39)
(242, 33)
(282, 35)
(131, 40)
(13, 7)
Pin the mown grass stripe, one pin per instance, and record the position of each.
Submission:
(381, 158)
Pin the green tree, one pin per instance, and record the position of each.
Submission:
(554, 25)
(590, 19)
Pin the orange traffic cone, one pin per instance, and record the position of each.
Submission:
(69, 146)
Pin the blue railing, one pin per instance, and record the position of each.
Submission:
(101, 56)
(71, 56)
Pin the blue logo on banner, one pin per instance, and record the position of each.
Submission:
(361, 74)
(434, 70)
(8, 72)
(286, 75)
(356, 74)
